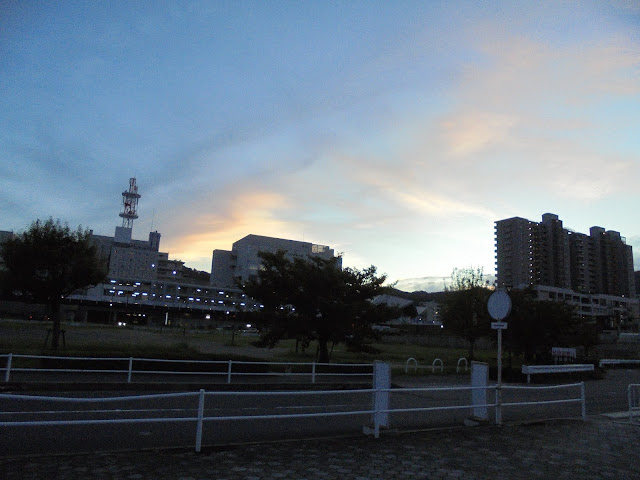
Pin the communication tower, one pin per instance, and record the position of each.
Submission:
(130, 204)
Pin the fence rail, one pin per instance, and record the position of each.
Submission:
(217, 368)
(200, 418)
(616, 361)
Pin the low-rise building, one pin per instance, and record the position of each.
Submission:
(232, 267)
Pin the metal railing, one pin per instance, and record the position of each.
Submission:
(581, 399)
(200, 418)
(219, 368)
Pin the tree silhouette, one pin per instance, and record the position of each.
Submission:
(538, 325)
(315, 299)
(48, 262)
(465, 306)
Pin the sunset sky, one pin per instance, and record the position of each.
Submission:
(394, 132)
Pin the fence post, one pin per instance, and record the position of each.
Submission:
(584, 402)
(479, 382)
(381, 385)
(8, 372)
(199, 424)
(130, 369)
(229, 372)
(313, 372)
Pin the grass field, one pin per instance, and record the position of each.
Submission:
(28, 337)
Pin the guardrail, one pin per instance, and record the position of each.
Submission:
(200, 418)
(212, 368)
(571, 367)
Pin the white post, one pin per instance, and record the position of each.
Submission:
(499, 386)
(479, 382)
(130, 369)
(199, 424)
(8, 371)
(584, 402)
(313, 372)
(229, 372)
(381, 385)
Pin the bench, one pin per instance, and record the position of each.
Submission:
(529, 370)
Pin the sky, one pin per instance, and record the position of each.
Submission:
(397, 132)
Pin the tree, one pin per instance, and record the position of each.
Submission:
(535, 326)
(465, 306)
(48, 262)
(315, 300)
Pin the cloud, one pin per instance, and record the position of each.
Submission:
(221, 221)
(469, 132)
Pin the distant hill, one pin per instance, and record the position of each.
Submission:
(430, 284)
(413, 296)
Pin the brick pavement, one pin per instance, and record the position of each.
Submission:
(599, 448)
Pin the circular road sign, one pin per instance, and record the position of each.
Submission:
(499, 305)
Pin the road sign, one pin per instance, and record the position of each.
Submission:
(499, 305)
(499, 325)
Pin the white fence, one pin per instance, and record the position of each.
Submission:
(615, 361)
(379, 405)
(205, 368)
(634, 401)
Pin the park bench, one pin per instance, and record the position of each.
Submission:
(529, 370)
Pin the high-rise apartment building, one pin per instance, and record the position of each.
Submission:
(546, 253)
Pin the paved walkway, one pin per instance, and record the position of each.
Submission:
(599, 448)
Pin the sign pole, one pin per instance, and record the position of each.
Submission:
(499, 307)
(499, 388)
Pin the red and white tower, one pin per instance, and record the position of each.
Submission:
(130, 204)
